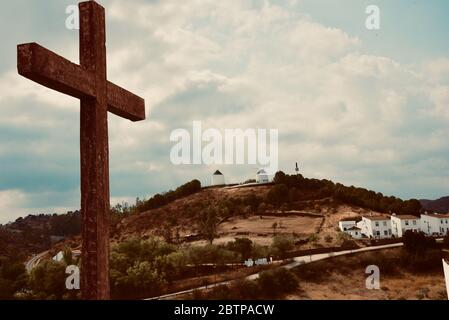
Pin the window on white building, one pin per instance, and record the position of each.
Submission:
(406, 222)
(414, 222)
(377, 224)
(385, 223)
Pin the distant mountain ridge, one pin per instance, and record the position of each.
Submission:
(440, 205)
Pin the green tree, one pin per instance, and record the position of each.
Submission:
(243, 246)
(274, 226)
(143, 275)
(280, 177)
(208, 223)
(282, 244)
(277, 195)
(47, 280)
(13, 277)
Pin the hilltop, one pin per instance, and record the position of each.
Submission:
(37, 233)
(306, 209)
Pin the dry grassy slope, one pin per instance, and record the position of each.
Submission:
(181, 214)
(344, 278)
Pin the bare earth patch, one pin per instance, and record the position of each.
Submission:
(352, 287)
(338, 279)
(260, 228)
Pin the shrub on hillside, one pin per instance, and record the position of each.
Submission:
(142, 279)
(47, 280)
(277, 195)
(316, 189)
(242, 246)
(135, 263)
(282, 244)
(277, 282)
(259, 251)
(160, 200)
(349, 244)
(211, 254)
(313, 238)
(270, 285)
(417, 243)
(12, 278)
(426, 261)
(313, 272)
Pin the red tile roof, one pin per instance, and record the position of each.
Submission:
(406, 217)
(434, 215)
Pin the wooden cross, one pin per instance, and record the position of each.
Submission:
(88, 82)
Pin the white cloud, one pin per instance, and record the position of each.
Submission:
(437, 70)
(16, 203)
(440, 98)
(11, 202)
(344, 113)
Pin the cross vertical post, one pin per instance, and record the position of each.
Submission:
(94, 157)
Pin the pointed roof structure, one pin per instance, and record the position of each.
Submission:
(218, 173)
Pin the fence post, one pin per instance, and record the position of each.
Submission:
(446, 276)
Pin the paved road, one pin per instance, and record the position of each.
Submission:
(34, 261)
(297, 261)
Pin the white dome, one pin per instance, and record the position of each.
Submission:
(218, 179)
(262, 176)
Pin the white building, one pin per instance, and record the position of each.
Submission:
(355, 232)
(435, 224)
(262, 176)
(348, 223)
(59, 256)
(378, 227)
(218, 179)
(349, 226)
(402, 223)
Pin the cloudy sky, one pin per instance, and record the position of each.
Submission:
(362, 107)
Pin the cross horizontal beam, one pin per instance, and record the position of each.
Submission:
(55, 72)
(125, 104)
